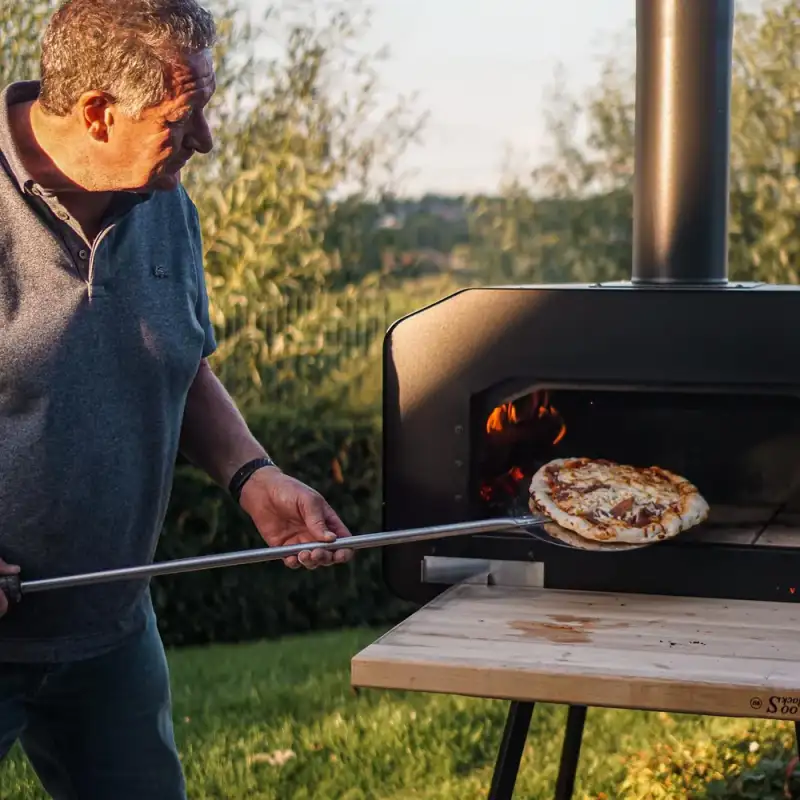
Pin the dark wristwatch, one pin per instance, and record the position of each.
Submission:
(244, 473)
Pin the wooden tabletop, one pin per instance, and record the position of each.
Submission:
(719, 657)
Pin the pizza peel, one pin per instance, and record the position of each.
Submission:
(537, 526)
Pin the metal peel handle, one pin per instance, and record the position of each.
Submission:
(13, 588)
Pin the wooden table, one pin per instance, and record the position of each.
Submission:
(528, 645)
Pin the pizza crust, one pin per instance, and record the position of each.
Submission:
(608, 502)
(579, 542)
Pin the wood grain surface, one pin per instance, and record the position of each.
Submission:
(708, 656)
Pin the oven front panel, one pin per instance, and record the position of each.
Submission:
(484, 387)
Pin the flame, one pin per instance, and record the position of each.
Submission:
(500, 417)
(562, 433)
(538, 407)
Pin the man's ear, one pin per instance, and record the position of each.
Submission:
(96, 115)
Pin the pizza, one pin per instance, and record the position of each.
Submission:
(607, 502)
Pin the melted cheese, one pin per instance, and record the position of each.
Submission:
(613, 492)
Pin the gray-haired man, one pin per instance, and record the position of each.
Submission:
(104, 335)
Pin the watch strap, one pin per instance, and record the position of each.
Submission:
(245, 472)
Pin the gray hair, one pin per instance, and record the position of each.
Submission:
(124, 48)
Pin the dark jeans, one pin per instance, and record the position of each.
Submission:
(99, 729)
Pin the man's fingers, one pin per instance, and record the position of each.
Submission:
(340, 529)
(321, 558)
(342, 556)
(322, 525)
(335, 525)
(314, 516)
(311, 559)
(3, 604)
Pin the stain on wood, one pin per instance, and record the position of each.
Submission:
(565, 628)
(560, 634)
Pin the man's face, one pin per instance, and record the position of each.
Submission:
(147, 154)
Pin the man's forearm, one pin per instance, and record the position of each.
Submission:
(215, 436)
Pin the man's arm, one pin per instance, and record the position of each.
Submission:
(215, 436)
(216, 439)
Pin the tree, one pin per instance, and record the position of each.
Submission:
(765, 174)
(588, 233)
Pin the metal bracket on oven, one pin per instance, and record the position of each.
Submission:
(444, 570)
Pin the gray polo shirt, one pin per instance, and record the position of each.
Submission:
(98, 348)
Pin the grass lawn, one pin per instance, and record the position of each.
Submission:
(278, 720)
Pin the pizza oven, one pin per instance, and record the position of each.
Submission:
(678, 367)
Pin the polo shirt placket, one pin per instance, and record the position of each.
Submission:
(91, 261)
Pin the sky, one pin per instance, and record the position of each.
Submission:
(481, 70)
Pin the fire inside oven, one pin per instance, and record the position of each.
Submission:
(742, 452)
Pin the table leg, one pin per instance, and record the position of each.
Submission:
(797, 737)
(570, 752)
(511, 748)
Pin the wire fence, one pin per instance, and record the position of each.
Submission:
(299, 341)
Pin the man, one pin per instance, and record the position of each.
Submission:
(104, 335)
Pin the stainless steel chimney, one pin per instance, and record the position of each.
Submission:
(683, 93)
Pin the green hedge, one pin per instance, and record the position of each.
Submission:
(339, 454)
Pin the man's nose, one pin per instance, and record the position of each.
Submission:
(200, 138)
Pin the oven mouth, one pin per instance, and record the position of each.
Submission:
(742, 450)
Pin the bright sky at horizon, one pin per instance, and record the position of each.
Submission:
(481, 70)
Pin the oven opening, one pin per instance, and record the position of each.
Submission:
(741, 450)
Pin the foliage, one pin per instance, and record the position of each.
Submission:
(516, 238)
(277, 720)
(742, 765)
(402, 237)
(21, 25)
(766, 145)
(572, 220)
(292, 131)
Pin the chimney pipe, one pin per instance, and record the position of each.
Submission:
(684, 57)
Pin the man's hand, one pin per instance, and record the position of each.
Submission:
(286, 512)
(215, 438)
(6, 569)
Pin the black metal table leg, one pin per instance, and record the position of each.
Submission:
(570, 752)
(511, 749)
